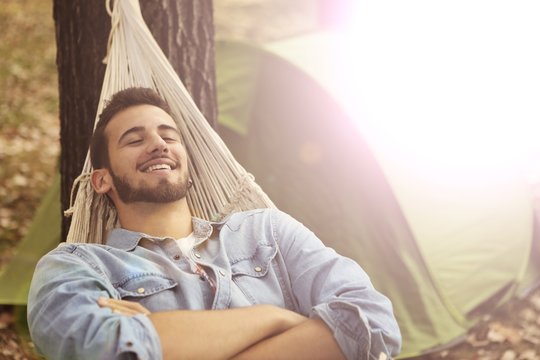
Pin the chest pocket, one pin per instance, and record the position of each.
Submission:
(255, 276)
(144, 284)
(256, 264)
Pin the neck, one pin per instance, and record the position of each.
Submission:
(156, 219)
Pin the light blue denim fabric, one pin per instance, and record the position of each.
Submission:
(255, 257)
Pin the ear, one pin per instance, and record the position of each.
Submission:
(101, 181)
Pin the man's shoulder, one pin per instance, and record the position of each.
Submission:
(75, 256)
(257, 218)
(70, 247)
(253, 212)
(78, 249)
(252, 215)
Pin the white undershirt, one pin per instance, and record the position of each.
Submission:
(186, 244)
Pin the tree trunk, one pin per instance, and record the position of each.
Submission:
(184, 30)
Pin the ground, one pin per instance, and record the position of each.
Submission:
(29, 150)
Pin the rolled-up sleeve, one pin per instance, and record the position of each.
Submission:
(65, 321)
(336, 289)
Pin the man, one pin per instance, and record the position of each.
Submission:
(257, 285)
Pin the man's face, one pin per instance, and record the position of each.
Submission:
(148, 162)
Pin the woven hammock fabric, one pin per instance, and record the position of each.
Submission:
(220, 184)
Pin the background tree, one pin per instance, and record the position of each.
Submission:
(183, 28)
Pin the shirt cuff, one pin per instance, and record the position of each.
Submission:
(348, 326)
(138, 336)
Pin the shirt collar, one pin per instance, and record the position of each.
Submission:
(127, 240)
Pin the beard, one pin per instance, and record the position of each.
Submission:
(164, 192)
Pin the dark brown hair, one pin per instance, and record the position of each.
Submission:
(99, 150)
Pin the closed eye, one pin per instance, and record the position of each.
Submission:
(134, 142)
(170, 139)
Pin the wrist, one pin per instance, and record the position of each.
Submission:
(281, 319)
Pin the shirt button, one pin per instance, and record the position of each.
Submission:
(129, 344)
(197, 255)
(141, 290)
(221, 272)
(258, 269)
(176, 257)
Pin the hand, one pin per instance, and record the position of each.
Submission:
(123, 307)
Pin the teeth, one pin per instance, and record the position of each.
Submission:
(158, 167)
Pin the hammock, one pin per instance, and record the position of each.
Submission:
(220, 184)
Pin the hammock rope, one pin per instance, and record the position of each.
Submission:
(220, 184)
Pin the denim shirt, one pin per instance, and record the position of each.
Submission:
(254, 257)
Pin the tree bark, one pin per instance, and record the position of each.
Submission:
(183, 28)
(185, 32)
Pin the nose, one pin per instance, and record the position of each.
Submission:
(157, 144)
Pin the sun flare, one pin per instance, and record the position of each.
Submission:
(449, 88)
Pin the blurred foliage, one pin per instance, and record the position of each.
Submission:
(27, 62)
(29, 124)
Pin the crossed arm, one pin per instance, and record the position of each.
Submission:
(256, 332)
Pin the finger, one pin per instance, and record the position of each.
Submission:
(123, 306)
(135, 306)
(125, 312)
(103, 301)
(125, 303)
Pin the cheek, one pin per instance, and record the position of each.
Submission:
(123, 161)
(180, 154)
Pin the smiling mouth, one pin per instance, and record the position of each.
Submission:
(157, 167)
(158, 163)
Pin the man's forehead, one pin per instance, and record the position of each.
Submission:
(144, 117)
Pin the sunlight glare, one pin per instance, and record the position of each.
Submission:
(448, 87)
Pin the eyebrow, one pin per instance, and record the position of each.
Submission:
(138, 129)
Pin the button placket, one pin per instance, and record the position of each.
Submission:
(223, 291)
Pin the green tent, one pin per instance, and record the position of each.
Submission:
(43, 235)
(444, 253)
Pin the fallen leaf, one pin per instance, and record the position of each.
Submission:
(500, 333)
(509, 355)
(528, 315)
(528, 355)
(535, 301)
(475, 342)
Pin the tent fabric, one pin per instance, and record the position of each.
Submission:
(492, 217)
(444, 253)
(43, 235)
